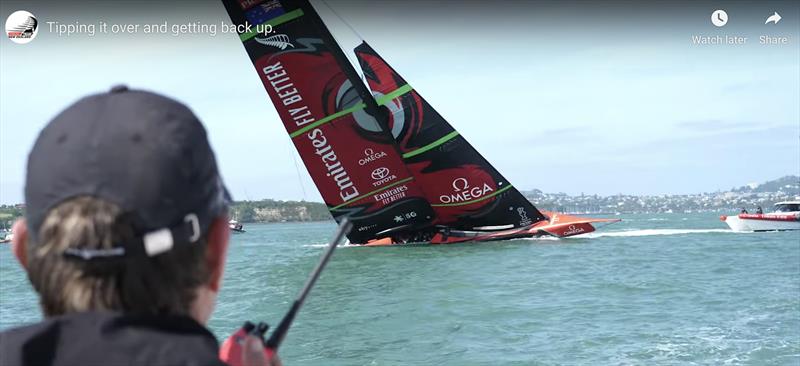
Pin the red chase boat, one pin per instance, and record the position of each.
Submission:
(785, 216)
(379, 153)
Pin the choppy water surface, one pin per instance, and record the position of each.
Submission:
(655, 289)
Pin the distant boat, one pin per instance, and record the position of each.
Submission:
(785, 216)
(236, 226)
(380, 154)
(6, 237)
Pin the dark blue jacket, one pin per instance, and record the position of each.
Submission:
(94, 338)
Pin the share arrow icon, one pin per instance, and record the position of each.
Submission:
(774, 18)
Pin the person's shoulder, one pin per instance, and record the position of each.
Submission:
(125, 339)
(14, 349)
(11, 336)
(21, 330)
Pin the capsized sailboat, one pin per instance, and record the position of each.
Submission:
(382, 155)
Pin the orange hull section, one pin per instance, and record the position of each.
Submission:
(562, 226)
(379, 242)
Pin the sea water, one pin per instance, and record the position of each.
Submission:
(654, 289)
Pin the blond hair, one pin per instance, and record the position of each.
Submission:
(163, 284)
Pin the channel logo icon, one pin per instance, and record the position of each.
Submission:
(21, 27)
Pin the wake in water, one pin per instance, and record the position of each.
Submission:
(345, 245)
(626, 233)
(652, 232)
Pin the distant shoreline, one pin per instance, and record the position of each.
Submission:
(749, 197)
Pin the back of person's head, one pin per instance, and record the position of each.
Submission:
(125, 208)
(165, 283)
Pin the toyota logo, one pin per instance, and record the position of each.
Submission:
(380, 173)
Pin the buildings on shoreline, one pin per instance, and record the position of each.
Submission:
(749, 197)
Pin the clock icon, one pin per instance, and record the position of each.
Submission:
(719, 17)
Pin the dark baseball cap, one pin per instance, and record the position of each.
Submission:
(144, 152)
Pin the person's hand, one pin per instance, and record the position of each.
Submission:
(253, 353)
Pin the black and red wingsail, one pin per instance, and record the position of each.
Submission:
(329, 115)
(465, 190)
(384, 158)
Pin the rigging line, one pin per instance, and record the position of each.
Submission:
(347, 54)
(297, 170)
(343, 21)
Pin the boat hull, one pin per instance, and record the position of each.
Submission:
(558, 225)
(762, 222)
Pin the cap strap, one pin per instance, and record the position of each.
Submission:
(160, 241)
(87, 254)
(195, 222)
(157, 242)
(154, 242)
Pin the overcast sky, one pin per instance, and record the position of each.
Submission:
(565, 97)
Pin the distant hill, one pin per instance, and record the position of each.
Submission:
(789, 184)
(279, 211)
(751, 196)
(8, 214)
(245, 211)
(764, 194)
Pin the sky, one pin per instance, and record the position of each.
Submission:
(574, 97)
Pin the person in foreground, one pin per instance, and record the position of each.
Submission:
(124, 238)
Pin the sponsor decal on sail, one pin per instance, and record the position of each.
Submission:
(370, 155)
(281, 41)
(286, 91)
(391, 195)
(367, 227)
(246, 4)
(382, 176)
(524, 219)
(380, 173)
(463, 191)
(290, 97)
(407, 216)
(572, 230)
(263, 12)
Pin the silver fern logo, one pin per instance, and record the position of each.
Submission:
(281, 41)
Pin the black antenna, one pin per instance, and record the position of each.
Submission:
(279, 334)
